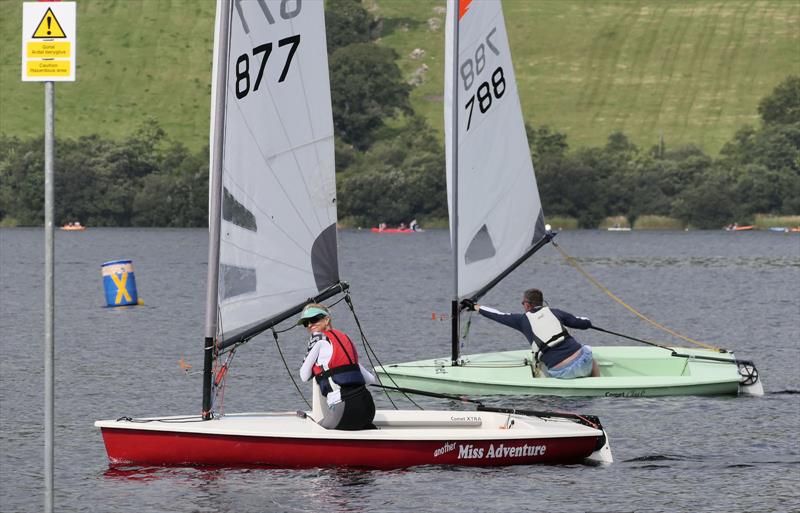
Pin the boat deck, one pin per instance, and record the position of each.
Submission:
(625, 371)
(409, 424)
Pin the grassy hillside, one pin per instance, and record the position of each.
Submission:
(693, 70)
(137, 59)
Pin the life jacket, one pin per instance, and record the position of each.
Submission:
(342, 369)
(547, 330)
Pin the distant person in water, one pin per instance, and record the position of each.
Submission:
(545, 328)
(333, 362)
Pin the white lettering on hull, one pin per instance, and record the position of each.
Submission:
(470, 452)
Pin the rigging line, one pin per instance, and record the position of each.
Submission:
(216, 364)
(288, 371)
(221, 381)
(173, 420)
(368, 349)
(574, 263)
(488, 365)
(432, 394)
(681, 355)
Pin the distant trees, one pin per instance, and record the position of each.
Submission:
(143, 181)
(391, 167)
(400, 178)
(346, 23)
(366, 88)
(758, 171)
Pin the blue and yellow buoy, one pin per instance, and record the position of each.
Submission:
(119, 283)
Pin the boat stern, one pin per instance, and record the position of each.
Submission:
(602, 455)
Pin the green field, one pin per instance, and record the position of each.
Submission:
(137, 59)
(692, 70)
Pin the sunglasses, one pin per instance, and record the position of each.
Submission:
(312, 320)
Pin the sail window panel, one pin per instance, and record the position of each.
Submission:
(235, 212)
(325, 258)
(480, 247)
(236, 281)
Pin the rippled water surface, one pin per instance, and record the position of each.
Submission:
(736, 290)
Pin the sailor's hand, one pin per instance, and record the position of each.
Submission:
(467, 304)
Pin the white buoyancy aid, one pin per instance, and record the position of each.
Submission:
(547, 330)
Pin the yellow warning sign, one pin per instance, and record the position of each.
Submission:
(49, 49)
(51, 68)
(48, 28)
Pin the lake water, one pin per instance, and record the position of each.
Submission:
(740, 291)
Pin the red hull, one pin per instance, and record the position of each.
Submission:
(145, 447)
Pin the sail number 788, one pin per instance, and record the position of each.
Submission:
(485, 93)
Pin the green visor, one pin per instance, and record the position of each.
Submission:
(310, 313)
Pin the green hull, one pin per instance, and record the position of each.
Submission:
(625, 371)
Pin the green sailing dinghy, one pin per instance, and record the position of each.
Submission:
(496, 223)
(625, 371)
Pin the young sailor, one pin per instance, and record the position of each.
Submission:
(545, 328)
(332, 360)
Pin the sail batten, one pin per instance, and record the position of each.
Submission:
(493, 199)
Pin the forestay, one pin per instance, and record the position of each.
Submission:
(496, 206)
(278, 242)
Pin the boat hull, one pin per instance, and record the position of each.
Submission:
(290, 441)
(626, 371)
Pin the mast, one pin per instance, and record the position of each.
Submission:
(215, 200)
(455, 349)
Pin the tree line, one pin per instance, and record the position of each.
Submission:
(390, 163)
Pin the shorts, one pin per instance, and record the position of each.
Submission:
(580, 367)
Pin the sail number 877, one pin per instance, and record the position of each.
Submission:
(242, 69)
(485, 93)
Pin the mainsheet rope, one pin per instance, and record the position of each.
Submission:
(574, 263)
(371, 354)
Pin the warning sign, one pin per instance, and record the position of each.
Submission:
(48, 41)
(49, 28)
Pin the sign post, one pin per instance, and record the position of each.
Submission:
(48, 55)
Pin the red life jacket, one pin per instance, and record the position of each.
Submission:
(343, 368)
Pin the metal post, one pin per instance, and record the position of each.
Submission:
(49, 360)
(215, 203)
(455, 342)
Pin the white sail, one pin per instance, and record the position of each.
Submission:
(278, 243)
(497, 206)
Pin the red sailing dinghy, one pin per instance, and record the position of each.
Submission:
(276, 247)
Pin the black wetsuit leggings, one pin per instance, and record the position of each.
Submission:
(356, 411)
